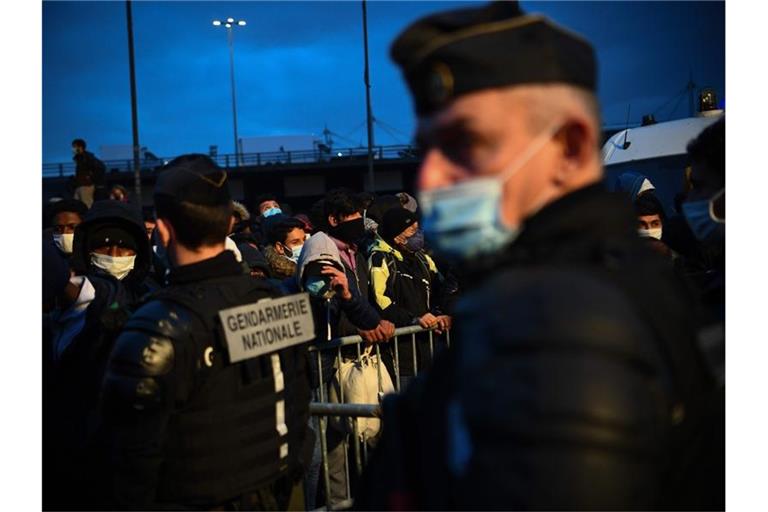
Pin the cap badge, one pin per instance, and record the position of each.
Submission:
(440, 82)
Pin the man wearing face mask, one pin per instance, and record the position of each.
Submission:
(704, 211)
(285, 238)
(111, 261)
(346, 228)
(320, 272)
(187, 426)
(573, 380)
(66, 215)
(405, 283)
(650, 224)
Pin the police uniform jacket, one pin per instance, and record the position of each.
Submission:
(187, 427)
(573, 383)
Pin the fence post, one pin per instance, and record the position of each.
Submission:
(226, 161)
(61, 170)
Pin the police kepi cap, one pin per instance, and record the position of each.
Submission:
(452, 53)
(194, 179)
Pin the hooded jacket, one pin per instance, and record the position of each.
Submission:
(82, 337)
(633, 184)
(126, 217)
(330, 313)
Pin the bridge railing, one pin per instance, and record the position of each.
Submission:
(264, 159)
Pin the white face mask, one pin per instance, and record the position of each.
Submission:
(64, 242)
(117, 266)
(650, 233)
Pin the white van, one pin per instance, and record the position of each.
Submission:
(657, 151)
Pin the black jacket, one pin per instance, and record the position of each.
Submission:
(404, 287)
(74, 380)
(573, 382)
(186, 427)
(89, 170)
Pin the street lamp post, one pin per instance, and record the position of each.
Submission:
(229, 24)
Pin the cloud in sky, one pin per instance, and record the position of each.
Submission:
(299, 65)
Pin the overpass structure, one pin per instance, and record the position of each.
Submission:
(298, 177)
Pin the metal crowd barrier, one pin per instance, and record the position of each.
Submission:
(323, 410)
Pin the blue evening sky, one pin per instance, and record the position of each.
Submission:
(299, 66)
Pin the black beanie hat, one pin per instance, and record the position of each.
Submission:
(396, 221)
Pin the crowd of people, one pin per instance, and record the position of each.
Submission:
(361, 258)
(587, 367)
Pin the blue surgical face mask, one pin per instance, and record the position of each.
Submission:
(318, 287)
(701, 217)
(416, 242)
(464, 220)
(272, 211)
(293, 253)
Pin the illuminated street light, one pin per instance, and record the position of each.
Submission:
(228, 25)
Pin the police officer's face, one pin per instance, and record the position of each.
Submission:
(482, 134)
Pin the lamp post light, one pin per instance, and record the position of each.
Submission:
(229, 24)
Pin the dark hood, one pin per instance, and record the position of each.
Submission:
(630, 184)
(119, 214)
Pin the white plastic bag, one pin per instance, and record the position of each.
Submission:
(359, 378)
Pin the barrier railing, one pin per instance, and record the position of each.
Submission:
(271, 158)
(331, 405)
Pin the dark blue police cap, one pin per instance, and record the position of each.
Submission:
(452, 53)
(194, 179)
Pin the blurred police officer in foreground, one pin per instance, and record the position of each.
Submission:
(187, 427)
(573, 382)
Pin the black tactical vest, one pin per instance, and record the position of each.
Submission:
(234, 427)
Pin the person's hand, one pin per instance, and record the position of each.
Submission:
(386, 328)
(382, 332)
(444, 323)
(428, 321)
(372, 336)
(338, 281)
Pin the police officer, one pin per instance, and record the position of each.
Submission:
(188, 428)
(573, 382)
